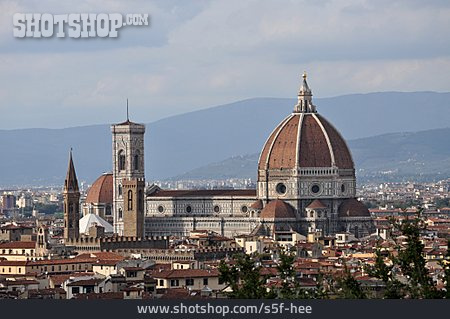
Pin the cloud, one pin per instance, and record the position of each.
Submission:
(203, 53)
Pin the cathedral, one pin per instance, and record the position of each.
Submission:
(306, 183)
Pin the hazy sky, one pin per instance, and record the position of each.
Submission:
(197, 54)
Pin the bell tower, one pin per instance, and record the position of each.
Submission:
(71, 202)
(133, 213)
(128, 164)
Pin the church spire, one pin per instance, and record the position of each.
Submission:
(304, 104)
(71, 202)
(71, 182)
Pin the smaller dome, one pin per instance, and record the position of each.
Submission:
(90, 220)
(277, 209)
(257, 205)
(353, 208)
(101, 190)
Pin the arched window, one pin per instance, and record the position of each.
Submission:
(120, 190)
(120, 213)
(121, 160)
(130, 200)
(136, 161)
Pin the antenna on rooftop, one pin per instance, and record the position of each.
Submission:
(128, 118)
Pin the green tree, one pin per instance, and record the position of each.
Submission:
(349, 287)
(445, 264)
(394, 289)
(244, 279)
(409, 263)
(289, 285)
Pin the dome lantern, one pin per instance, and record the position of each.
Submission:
(304, 104)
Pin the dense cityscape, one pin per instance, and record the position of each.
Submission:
(303, 229)
(29, 272)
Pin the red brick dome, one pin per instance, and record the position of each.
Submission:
(353, 208)
(305, 139)
(102, 190)
(277, 209)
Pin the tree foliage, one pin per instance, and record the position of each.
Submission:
(244, 278)
(348, 287)
(409, 264)
(290, 285)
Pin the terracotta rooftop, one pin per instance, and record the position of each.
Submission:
(268, 271)
(101, 190)
(128, 122)
(48, 291)
(13, 262)
(86, 282)
(12, 227)
(60, 261)
(58, 280)
(257, 205)
(205, 193)
(18, 245)
(277, 209)
(180, 293)
(316, 144)
(353, 208)
(316, 204)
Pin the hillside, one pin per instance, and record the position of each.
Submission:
(184, 142)
(420, 155)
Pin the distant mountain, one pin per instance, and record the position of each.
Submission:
(421, 155)
(396, 156)
(40, 156)
(241, 166)
(181, 143)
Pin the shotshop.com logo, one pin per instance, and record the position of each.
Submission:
(74, 25)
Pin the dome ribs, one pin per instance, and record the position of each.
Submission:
(316, 143)
(342, 155)
(313, 150)
(101, 190)
(277, 209)
(283, 151)
(268, 145)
